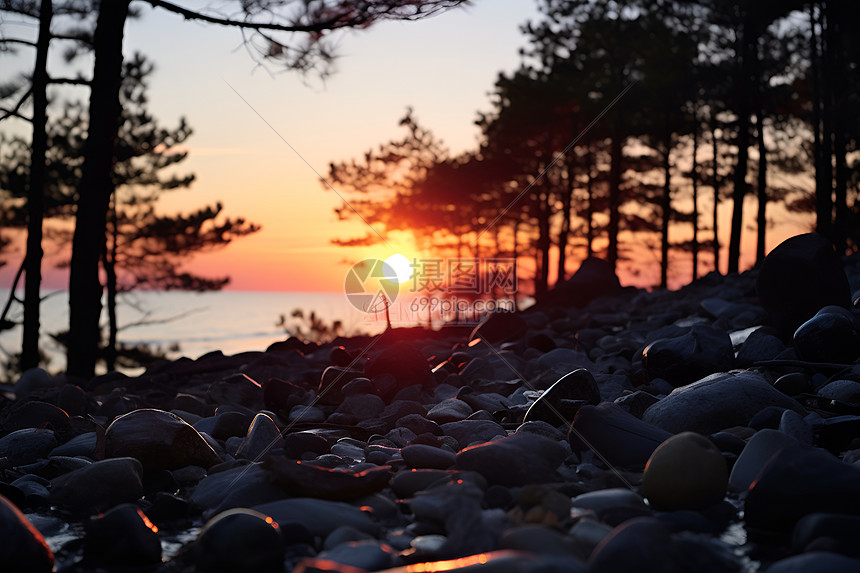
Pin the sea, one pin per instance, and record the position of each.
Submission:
(192, 324)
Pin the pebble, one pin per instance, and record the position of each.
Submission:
(687, 471)
(240, 540)
(829, 336)
(422, 456)
(241, 486)
(619, 437)
(123, 536)
(263, 436)
(689, 357)
(24, 549)
(119, 480)
(514, 460)
(25, 446)
(560, 402)
(319, 516)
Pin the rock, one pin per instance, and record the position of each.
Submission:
(515, 460)
(368, 555)
(302, 413)
(240, 540)
(305, 479)
(237, 389)
(263, 436)
(564, 360)
(636, 403)
(762, 344)
(225, 425)
(684, 359)
(422, 456)
(450, 410)
(118, 479)
(26, 446)
(687, 471)
(123, 536)
(794, 383)
(468, 432)
(792, 424)
(815, 562)
(798, 481)
(798, 277)
(404, 362)
(840, 532)
(539, 540)
(640, 544)
(159, 440)
(319, 516)
(594, 278)
(24, 549)
(33, 380)
(717, 402)
(35, 414)
(361, 406)
(499, 327)
(843, 390)
(418, 424)
(616, 435)
(560, 402)
(829, 336)
(242, 486)
(407, 484)
(332, 382)
(611, 502)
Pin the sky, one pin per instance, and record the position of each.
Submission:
(263, 137)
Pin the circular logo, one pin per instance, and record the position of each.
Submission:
(369, 286)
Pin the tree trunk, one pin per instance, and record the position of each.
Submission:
(614, 193)
(694, 174)
(544, 241)
(95, 190)
(564, 232)
(825, 182)
(36, 194)
(589, 211)
(716, 183)
(742, 85)
(761, 191)
(823, 200)
(666, 213)
(109, 264)
(838, 100)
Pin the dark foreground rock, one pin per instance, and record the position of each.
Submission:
(611, 430)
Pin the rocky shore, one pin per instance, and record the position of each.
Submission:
(712, 429)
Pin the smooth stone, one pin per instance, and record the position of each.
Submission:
(687, 471)
(794, 383)
(640, 544)
(560, 402)
(35, 414)
(344, 534)
(422, 456)
(32, 380)
(684, 359)
(25, 446)
(621, 438)
(302, 413)
(159, 440)
(564, 360)
(361, 406)
(468, 432)
(798, 481)
(263, 436)
(768, 417)
(840, 532)
(717, 402)
(843, 390)
(815, 562)
(404, 362)
(240, 540)
(119, 480)
(829, 336)
(34, 489)
(123, 536)
(594, 278)
(636, 403)
(608, 500)
(450, 410)
(518, 459)
(332, 382)
(792, 424)
(319, 516)
(757, 453)
(499, 327)
(299, 443)
(242, 486)
(407, 484)
(237, 389)
(539, 540)
(368, 555)
(23, 549)
(760, 345)
(304, 479)
(798, 277)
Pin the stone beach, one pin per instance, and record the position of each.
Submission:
(606, 429)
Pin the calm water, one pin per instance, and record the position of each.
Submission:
(198, 322)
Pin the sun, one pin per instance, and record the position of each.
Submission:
(397, 268)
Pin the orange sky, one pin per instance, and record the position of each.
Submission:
(443, 67)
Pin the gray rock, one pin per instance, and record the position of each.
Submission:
(686, 358)
(515, 460)
(450, 410)
(240, 540)
(639, 544)
(815, 562)
(760, 345)
(618, 436)
(24, 549)
(842, 390)
(423, 456)
(318, 516)
(32, 380)
(717, 402)
(25, 446)
(564, 360)
(242, 486)
(263, 436)
(369, 554)
(792, 424)
(758, 451)
(118, 479)
(468, 432)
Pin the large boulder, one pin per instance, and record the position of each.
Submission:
(717, 402)
(594, 278)
(799, 277)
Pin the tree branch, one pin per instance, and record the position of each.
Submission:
(193, 15)
(17, 41)
(70, 81)
(15, 110)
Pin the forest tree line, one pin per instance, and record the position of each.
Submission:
(628, 118)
